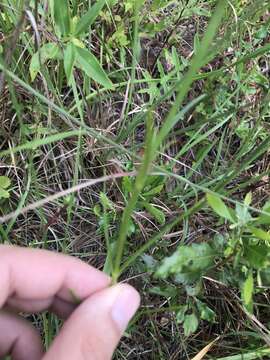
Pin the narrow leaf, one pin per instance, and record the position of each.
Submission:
(88, 19)
(248, 289)
(62, 16)
(259, 233)
(69, 60)
(219, 207)
(87, 62)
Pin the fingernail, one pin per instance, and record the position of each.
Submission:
(125, 306)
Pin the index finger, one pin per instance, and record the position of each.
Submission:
(31, 274)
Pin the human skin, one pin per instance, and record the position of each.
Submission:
(33, 280)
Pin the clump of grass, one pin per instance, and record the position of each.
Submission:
(135, 135)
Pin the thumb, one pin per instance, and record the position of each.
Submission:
(95, 327)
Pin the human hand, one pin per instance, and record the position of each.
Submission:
(35, 280)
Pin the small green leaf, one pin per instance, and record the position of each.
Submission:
(219, 207)
(105, 201)
(88, 19)
(90, 65)
(69, 60)
(205, 312)
(149, 261)
(62, 16)
(48, 51)
(4, 182)
(154, 191)
(248, 289)
(248, 199)
(191, 324)
(180, 315)
(156, 213)
(127, 185)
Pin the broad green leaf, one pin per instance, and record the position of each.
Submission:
(62, 16)
(219, 207)
(88, 19)
(180, 315)
(247, 292)
(4, 182)
(191, 324)
(188, 263)
(69, 60)
(259, 233)
(256, 255)
(205, 312)
(4, 194)
(48, 51)
(87, 62)
(155, 212)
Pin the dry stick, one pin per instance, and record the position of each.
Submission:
(61, 194)
(12, 47)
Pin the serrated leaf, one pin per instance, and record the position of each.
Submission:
(191, 324)
(88, 19)
(105, 201)
(47, 52)
(62, 16)
(219, 206)
(156, 213)
(87, 62)
(4, 194)
(154, 191)
(69, 61)
(4, 182)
